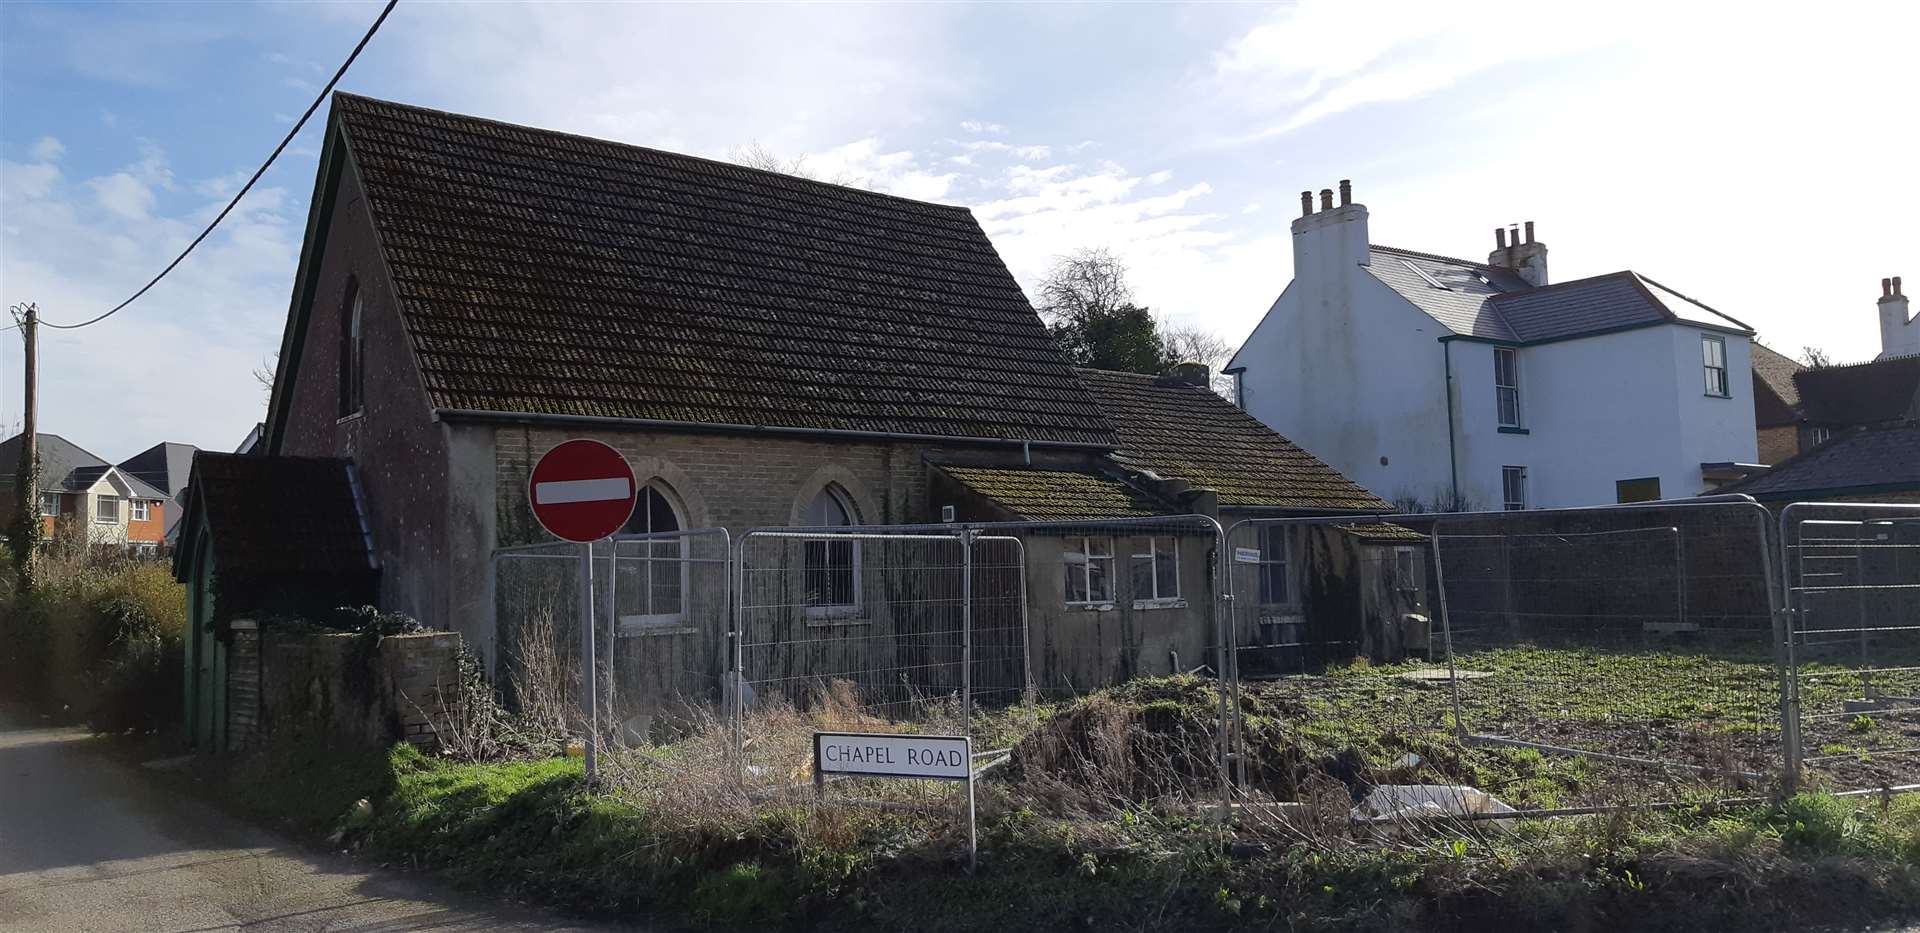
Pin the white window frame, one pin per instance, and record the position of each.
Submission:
(836, 613)
(1708, 343)
(1819, 435)
(50, 504)
(1155, 553)
(1510, 477)
(99, 505)
(1502, 389)
(139, 510)
(637, 623)
(1081, 562)
(1281, 557)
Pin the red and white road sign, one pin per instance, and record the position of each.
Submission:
(581, 490)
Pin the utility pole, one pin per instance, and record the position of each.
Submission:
(26, 531)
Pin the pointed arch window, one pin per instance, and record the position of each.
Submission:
(651, 576)
(832, 573)
(352, 351)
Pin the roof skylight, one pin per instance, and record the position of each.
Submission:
(1422, 273)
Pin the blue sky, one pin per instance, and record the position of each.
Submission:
(1761, 164)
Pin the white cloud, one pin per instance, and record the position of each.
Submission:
(976, 126)
(176, 364)
(47, 149)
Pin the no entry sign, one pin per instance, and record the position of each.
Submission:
(581, 490)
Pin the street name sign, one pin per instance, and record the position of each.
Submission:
(928, 757)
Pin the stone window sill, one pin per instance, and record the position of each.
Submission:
(1174, 603)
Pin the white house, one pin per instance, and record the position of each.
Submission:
(1448, 381)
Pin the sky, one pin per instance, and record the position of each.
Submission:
(1764, 163)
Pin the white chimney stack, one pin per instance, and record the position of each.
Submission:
(1899, 335)
(1527, 258)
(1331, 240)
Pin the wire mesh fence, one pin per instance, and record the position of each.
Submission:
(1852, 575)
(1637, 636)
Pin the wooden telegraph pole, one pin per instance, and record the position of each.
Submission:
(26, 486)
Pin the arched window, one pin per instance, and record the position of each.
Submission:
(352, 352)
(832, 565)
(651, 573)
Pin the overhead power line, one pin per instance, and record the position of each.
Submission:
(297, 126)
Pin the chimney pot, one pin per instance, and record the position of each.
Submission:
(1886, 288)
(1529, 231)
(1896, 287)
(1500, 237)
(1306, 203)
(1326, 199)
(1346, 192)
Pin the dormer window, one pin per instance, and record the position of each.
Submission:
(1506, 385)
(352, 352)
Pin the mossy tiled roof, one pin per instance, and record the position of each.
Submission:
(1188, 432)
(1382, 532)
(1058, 494)
(544, 273)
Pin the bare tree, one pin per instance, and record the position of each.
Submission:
(1188, 343)
(1083, 283)
(1815, 358)
(754, 155)
(263, 373)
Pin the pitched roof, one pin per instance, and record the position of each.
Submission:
(1476, 300)
(1187, 432)
(1773, 372)
(1864, 393)
(165, 466)
(59, 458)
(83, 478)
(1867, 459)
(280, 515)
(1047, 495)
(545, 273)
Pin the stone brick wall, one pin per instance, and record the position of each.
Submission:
(284, 680)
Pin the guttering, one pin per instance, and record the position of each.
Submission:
(468, 414)
(1453, 462)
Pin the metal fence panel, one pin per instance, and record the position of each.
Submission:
(1852, 575)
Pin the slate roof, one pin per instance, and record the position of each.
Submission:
(1864, 393)
(1046, 495)
(545, 273)
(1867, 459)
(165, 466)
(83, 478)
(1486, 302)
(59, 458)
(279, 515)
(1776, 400)
(1189, 433)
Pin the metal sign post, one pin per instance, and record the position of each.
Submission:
(583, 491)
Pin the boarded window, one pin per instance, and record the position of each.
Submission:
(1645, 489)
(1276, 566)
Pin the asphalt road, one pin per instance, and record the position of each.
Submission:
(89, 843)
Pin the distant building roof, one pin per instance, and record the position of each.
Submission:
(1776, 400)
(164, 466)
(1187, 432)
(1877, 392)
(1486, 302)
(541, 273)
(1045, 495)
(83, 478)
(59, 459)
(1861, 462)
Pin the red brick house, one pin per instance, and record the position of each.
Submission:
(105, 504)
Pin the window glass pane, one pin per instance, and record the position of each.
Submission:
(1509, 407)
(1100, 579)
(1100, 547)
(1076, 578)
(1143, 577)
(1167, 572)
(1273, 584)
(659, 512)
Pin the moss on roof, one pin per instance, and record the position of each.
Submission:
(1058, 494)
